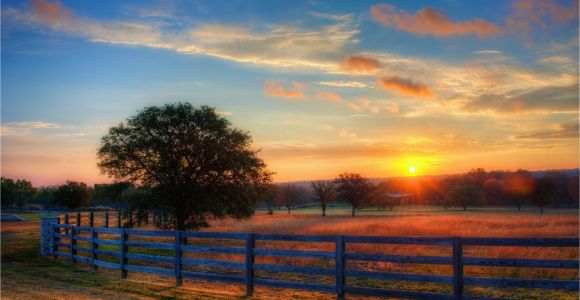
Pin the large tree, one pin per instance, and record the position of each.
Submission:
(324, 192)
(200, 165)
(354, 189)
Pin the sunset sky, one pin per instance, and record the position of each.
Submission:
(324, 87)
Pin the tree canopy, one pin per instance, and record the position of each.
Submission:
(73, 195)
(354, 189)
(198, 164)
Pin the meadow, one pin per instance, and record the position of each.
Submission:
(25, 275)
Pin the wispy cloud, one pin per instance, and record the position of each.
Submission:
(428, 21)
(33, 124)
(358, 64)
(325, 95)
(350, 84)
(267, 45)
(564, 131)
(547, 99)
(405, 87)
(273, 88)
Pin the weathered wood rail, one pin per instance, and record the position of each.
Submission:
(54, 236)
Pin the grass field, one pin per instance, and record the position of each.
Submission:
(25, 275)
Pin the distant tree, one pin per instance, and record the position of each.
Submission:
(379, 197)
(477, 177)
(494, 191)
(465, 195)
(324, 193)
(193, 157)
(289, 195)
(574, 191)
(73, 195)
(111, 191)
(354, 189)
(15, 192)
(519, 187)
(269, 197)
(544, 193)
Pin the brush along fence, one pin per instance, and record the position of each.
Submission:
(131, 250)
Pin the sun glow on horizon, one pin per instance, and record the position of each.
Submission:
(412, 169)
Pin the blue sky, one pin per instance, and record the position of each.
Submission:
(323, 86)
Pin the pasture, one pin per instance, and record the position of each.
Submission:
(25, 275)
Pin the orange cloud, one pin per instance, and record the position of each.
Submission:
(328, 96)
(273, 88)
(49, 12)
(406, 87)
(357, 64)
(428, 21)
(542, 13)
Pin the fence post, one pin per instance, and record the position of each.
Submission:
(55, 239)
(73, 245)
(122, 257)
(178, 278)
(118, 219)
(457, 268)
(339, 263)
(106, 219)
(47, 235)
(91, 219)
(250, 264)
(93, 248)
(78, 219)
(66, 222)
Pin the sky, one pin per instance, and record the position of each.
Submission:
(324, 87)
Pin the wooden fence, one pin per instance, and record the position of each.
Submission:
(54, 237)
(108, 219)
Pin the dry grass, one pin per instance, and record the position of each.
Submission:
(27, 276)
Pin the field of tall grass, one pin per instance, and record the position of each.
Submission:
(408, 223)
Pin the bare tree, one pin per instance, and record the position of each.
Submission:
(324, 192)
(289, 195)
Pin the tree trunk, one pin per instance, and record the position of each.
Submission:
(464, 208)
(519, 207)
(353, 211)
(541, 209)
(288, 210)
(323, 210)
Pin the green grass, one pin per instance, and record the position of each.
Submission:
(30, 216)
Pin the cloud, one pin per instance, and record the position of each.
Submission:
(357, 64)
(551, 99)
(325, 95)
(345, 133)
(48, 12)
(273, 88)
(353, 84)
(488, 52)
(428, 21)
(33, 124)
(528, 14)
(264, 44)
(564, 131)
(392, 107)
(405, 87)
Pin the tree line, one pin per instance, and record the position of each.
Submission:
(477, 188)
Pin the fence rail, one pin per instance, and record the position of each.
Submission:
(54, 236)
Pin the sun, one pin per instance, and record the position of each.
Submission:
(412, 169)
